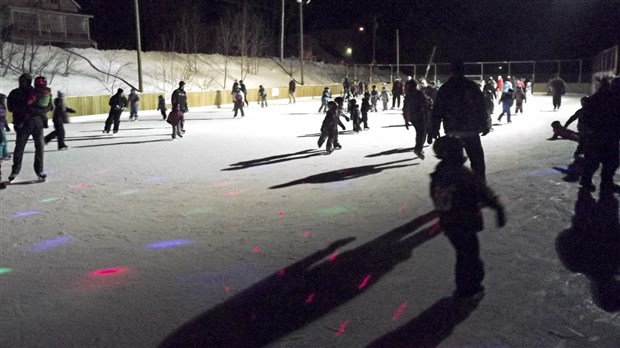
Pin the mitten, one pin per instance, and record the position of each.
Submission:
(501, 217)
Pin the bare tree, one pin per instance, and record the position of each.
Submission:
(225, 38)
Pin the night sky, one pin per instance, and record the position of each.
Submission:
(480, 30)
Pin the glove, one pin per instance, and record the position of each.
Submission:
(501, 218)
(7, 128)
(346, 118)
(485, 131)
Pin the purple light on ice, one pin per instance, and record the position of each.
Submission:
(26, 213)
(50, 244)
(168, 244)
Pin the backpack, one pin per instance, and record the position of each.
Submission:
(238, 97)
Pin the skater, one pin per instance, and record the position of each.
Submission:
(292, 86)
(29, 107)
(245, 93)
(59, 119)
(346, 86)
(397, 92)
(385, 97)
(575, 169)
(175, 119)
(500, 85)
(238, 100)
(520, 98)
(374, 98)
(459, 195)
(460, 106)
(354, 112)
(560, 131)
(600, 138)
(558, 88)
(364, 109)
(179, 97)
(262, 95)
(161, 106)
(4, 128)
(415, 111)
(506, 100)
(325, 98)
(340, 103)
(133, 99)
(329, 129)
(117, 103)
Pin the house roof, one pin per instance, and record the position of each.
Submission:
(76, 4)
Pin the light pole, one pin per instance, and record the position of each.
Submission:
(139, 47)
(301, 38)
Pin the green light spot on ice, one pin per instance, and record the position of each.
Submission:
(333, 211)
(47, 200)
(4, 270)
(197, 211)
(127, 193)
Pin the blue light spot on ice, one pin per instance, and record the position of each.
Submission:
(27, 213)
(168, 244)
(50, 244)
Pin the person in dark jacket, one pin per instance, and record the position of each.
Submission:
(161, 106)
(329, 128)
(179, 98)
(133, 100)
(558, 89)
(520, 98)
(460, 106)
(262, 96)
(459, 195)
(415, 112)
(29, 107)
(245, 92)
(600, 137)
(118, 103)
(397, 92)
(354, 112)
(507, 100)
(365, 108)
(59, 119)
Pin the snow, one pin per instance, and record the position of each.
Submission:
(135, 235)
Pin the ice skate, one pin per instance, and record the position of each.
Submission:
(419, 153)
(42, 176)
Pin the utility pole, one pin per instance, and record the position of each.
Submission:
(397, 55)
(301, 39)
(282, 34)
(139, 47)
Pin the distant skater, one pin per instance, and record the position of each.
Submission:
(117, 103)
(161, 106)
(59, 119)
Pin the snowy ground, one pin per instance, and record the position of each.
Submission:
(244, 232)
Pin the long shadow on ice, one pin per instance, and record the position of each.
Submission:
(275, 159)
(592, 246)
(302, 292)
(123, 143)
(345, 174)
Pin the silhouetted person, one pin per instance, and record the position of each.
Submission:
(558, 89)
(117, 103)
(59, 119)
(460, 106)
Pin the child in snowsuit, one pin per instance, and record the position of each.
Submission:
(239, 101)
(59, 119)
(458, 195)
(161, 106)
(354, 112)
(385, 97)
(364, 109)
(374, 98)
(262, 95)
(519, 99)
(325, 97)
(506, 100)
(175, 118)
(329, 128)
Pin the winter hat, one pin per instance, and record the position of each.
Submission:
(60, 95)
(449, 148)
(119, 91)
(182, 83)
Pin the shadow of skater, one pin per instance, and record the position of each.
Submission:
(302, 292)
(345, 174)
(592, 246)
(391, 152)
(275, 159)
(429, 328)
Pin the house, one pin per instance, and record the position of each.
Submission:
(56, 22)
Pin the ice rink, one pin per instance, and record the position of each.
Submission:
(243, 233)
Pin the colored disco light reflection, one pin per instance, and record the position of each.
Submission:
(256, 249)
(310, 298)
(154, 179)
(47, 200)
(26, 213)
(168, 244)
(227, 289)
(364, 282)
(333, 256)
(108, 271)
(197, 211)
(5, 270)
(400, 310)
(341, 329)
(334, 211)
(50, 244)
(307, 234)
(280, 214)
(127, 193)
(281, 272)
(403, 207)
(81, 185)
(233, 193)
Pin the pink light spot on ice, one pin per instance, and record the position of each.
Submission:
(81, 185)
(233, 193)
(400, 310)
(280, 214)
(342, 327)
(307, 234)
(403, 207)
(227, 289)
(108, 271)
(333, 256)
(310, 298)
(256, 249)
(281, 272)
(364, 282)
